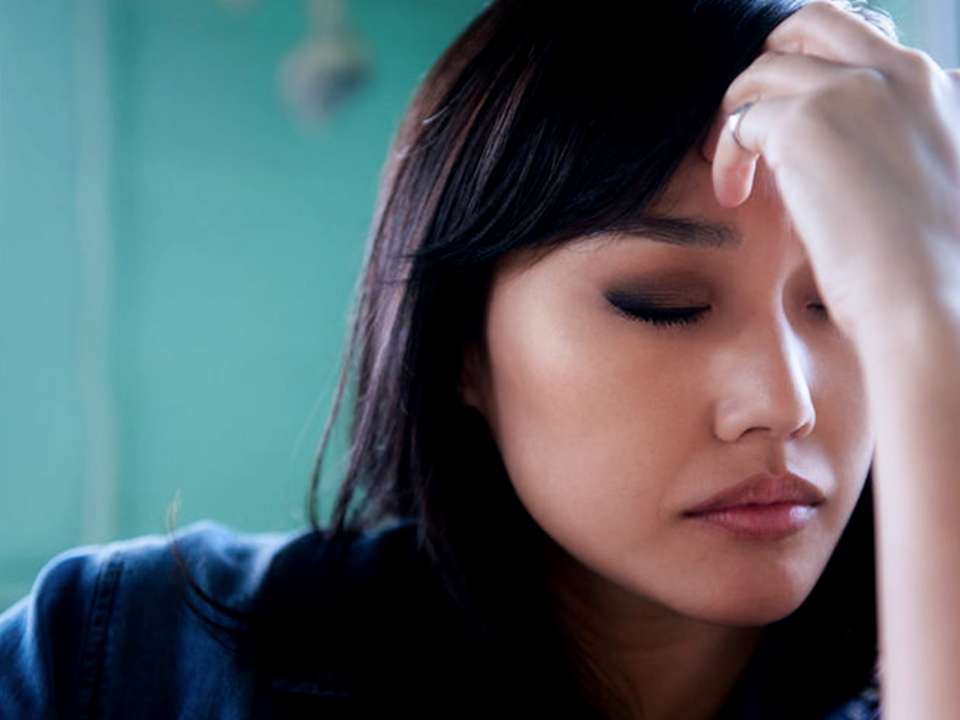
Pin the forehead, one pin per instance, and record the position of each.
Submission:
(690, 191)
(686, 215)
(687, 212)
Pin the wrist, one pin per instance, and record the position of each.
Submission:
(918, 335)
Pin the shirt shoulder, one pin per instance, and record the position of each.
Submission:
(96, 611)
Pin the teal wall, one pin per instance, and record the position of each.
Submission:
(238, 234)
(41, 413)
(177, 256)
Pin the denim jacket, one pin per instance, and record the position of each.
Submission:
(363, 631)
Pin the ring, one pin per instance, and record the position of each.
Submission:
(739, 113)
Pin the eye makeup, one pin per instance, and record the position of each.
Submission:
(651, 308)
(644, 307)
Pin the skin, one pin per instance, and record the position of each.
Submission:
(610, 428)
(862, 136)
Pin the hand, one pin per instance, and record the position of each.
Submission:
(862, 137)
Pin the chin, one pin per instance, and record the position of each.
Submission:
(753, 615)
(750, 605)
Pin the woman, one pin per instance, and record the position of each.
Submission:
(622, 364)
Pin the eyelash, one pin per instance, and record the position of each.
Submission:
(667, 317)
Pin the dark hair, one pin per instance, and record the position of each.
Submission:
(542, 122)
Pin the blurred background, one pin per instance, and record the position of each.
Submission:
(185, 190)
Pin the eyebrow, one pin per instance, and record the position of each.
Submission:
(685, 232)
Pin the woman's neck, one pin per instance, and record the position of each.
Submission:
(635, 658)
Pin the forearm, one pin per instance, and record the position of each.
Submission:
(912, 372)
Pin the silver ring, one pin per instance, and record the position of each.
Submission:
(739, 113)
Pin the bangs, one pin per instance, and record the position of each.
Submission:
(578, 119)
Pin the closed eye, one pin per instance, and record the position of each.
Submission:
(658, 315)
(667, 316)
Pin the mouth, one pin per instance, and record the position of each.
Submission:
(763, 489)
(763, 506)
(772, 521)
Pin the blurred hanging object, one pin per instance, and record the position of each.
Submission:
(327, 67)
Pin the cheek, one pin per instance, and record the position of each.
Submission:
(590, 423)
(605, 428)
(844, 426)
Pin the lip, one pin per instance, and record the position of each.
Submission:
(762, 489)
(760, 522)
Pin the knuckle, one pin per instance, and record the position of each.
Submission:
(812, 12)
(915, 63)
(820, 8)
(748, 77)
(766, 58)
(918, 72)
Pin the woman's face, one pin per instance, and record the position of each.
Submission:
(610, 427)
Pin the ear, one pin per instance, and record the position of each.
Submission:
(474, 378)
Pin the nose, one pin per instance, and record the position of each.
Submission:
(762, 380)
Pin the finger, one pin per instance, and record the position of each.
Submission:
(824, 29)
(735, 164)
(774, 74)
(724, 121)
